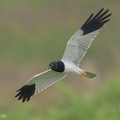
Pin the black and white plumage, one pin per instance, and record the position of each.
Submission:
(76, 48)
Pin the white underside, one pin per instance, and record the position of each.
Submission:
(72, 68)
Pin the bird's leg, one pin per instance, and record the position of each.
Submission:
(83, 74)
(88, 74)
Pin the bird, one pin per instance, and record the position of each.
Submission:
(76, 49)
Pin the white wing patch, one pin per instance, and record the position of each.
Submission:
(45, 79)
(78, 45)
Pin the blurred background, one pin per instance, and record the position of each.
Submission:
(35, 32)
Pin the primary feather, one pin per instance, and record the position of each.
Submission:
(79, 43)
(38, 83)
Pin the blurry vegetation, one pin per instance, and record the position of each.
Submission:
(104, 105)
(34, 33)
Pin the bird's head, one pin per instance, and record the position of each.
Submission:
(57, 66)
(53, 65)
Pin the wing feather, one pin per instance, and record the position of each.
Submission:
(38, 83)
(78, 46)
(79, 43)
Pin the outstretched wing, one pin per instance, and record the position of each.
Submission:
(38, 83)
(79, 43)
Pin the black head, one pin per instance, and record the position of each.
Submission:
(57, 66)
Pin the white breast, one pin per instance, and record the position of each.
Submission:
(71, 68)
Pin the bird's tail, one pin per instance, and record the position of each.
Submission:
(88, 75)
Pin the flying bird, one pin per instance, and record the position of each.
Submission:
(76, 48)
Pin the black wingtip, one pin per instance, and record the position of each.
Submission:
(26, 92)
(96, 22)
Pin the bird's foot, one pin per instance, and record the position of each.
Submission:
(83, 74)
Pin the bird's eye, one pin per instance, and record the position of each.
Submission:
(51, 65)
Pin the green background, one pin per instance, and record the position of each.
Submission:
(35, 32)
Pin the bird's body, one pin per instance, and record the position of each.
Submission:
(72, 68)
(76, 48)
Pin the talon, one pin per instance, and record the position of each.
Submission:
(83, 74)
